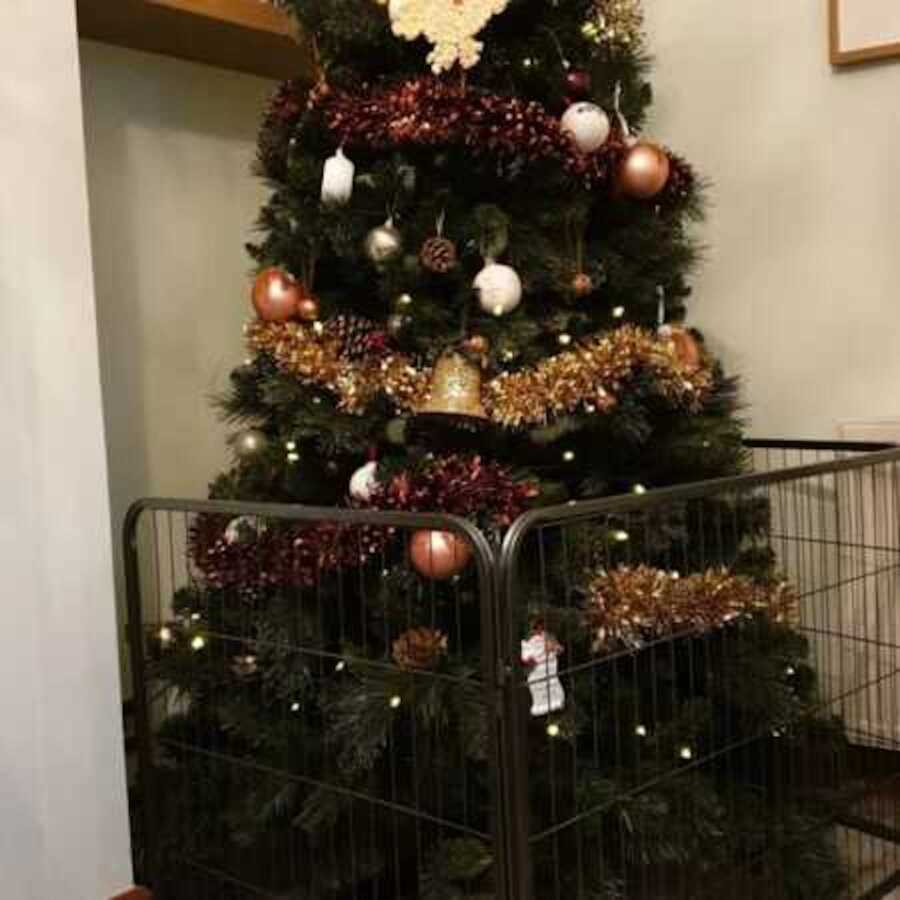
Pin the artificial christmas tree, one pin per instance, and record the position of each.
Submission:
(472, 279)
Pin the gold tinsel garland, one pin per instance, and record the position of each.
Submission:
(632, 605)
(590, 377)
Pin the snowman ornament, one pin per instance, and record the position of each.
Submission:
(540, 653)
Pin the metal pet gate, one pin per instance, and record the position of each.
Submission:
(682, 759)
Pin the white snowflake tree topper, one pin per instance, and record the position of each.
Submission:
(451, 25)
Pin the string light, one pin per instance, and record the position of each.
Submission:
(618, 312)
(196, 617)
(553, 730)
(395, 701)
(404, 300)
(639, 489)
(295, 707)
(641, 731)
(569, 456)
(293, 458)
(564, 340)
(621, 536)
(165, 634)
(198, 643)
(291, 446)
(686, 753)
(340, 666)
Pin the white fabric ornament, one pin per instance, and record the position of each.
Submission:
(384, 243)
(588, 126)
(451, 25)
(364, 482)
(541, 653)
(499, 288)
(337, 179)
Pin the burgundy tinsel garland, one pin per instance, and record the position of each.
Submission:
(457, 485)
(283, 554)
(432, 112)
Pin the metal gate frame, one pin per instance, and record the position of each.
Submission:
(497, 579)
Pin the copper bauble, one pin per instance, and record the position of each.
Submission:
(684, 345)
(644, 171)
(582, 284)
(578, 83)
(455, 388)
(439, 555)
(478, 344)
(276, 294)
(308, 308)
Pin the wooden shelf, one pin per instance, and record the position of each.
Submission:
(245, 35)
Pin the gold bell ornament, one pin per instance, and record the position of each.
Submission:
(455, 389)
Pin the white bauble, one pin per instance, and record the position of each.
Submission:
(364, 482)
(384, 243)
(499, 288)
(337, 180)
(244, 529)
(587, 124)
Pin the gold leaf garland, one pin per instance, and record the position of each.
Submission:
(591, 376)
(631, 605)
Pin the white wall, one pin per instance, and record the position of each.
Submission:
(170, 145)
(801, 291)
(63, 821)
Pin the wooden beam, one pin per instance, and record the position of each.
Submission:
(245, 35)
(135, 894)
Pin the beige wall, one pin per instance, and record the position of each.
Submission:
(170, 146)
(801, 291)
(63, 813)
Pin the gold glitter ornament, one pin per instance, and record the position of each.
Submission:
(455, 388)
(618, 22)
(450, 25)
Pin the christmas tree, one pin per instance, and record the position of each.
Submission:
(471, 294)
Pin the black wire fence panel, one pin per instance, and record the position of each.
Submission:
(316, 718)
(724, 693)
(671, 694)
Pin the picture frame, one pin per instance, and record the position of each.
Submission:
(863, 31)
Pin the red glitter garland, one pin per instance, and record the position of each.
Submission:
(431, 112)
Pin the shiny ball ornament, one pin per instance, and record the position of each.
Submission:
(578, 83)
(684, 345)
(439, 555)
(250, 443)
(308, 309)
(582, 285)
(384, 243)
(499, 289)
(587, 125)
(364, 482)
(276, 295)
(478, 344)
(644, 171)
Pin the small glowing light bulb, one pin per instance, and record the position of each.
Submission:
(569, 456)
(790, 671)
(293, 457)
(641, 731)
(318, 327)
(165, 634)
(290, 446)
(196, 617)
(621, 536)
(639, 489)
(528, 62)
(553, 730)
(248, 362)
(198, 643)
(686, 753)
(396, 700)
(340, 666)
(618, 312)
(508, 356)
(295, 707)
(404, 300)
(564, 339)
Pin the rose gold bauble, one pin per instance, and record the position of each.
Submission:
(478, 344)
(582, 284)
(308, 308)
(644, 171)
(685, 346)
(439, 555)
(276, 295)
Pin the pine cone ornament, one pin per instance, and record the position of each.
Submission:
(420, 648)
(358, 337)
(438, 255)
